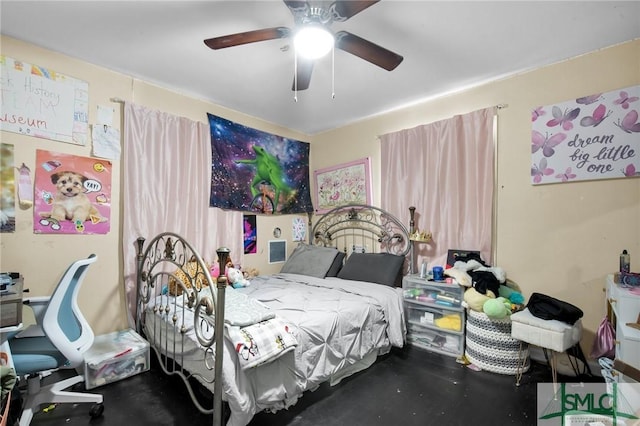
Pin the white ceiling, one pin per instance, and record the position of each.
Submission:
(447, 46)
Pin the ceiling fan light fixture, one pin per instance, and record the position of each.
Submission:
(313, 41)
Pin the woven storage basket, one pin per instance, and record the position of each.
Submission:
(489, 345)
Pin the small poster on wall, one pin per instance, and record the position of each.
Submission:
(348, 183)
(7, 189)
(250, 234)
(299, 229)
(40, 102)
(72, 194)
(591, 137)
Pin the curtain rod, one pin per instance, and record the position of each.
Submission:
(497, 106)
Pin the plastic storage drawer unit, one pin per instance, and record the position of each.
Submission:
(434, 314)
(432, 317)
(436, 341)
(115, 356)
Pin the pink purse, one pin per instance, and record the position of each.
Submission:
(604, 344)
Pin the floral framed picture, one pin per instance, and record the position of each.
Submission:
(348, 183)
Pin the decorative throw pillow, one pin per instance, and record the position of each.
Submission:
(195, 272)
(380, 268)
(337, 264)
(314, 261)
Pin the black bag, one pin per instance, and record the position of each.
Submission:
(548, 308)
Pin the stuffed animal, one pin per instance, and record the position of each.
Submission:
(514, 296)
(497, 308)
(461, 276)
(236, 278)
(215, 269)
(196, 276)
(251, 273)
(470, 265)
(476, 300)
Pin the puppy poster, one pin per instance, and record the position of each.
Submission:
(72, 194)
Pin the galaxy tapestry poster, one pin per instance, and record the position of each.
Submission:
(255, 171)
(591, 137)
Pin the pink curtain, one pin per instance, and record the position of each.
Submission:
(446, 170)
(167, 181)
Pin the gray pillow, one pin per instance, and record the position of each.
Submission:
(314, 261)
(380, 268)
(336, 265)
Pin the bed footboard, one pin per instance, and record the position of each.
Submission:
(176, 296)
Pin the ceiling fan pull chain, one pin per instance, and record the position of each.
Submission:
(333, 72)
(295, 74)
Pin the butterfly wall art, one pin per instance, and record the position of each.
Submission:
(537, 172)
(590, 137)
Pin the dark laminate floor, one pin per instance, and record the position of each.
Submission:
(407, 387)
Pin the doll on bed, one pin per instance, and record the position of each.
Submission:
(234, 275)
(215, 268)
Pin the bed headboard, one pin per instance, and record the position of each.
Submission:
(361, 228)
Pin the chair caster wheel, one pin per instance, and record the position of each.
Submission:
(96, 410)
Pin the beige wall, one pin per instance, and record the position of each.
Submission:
(561, 240)
(556, 239)
(43, 258)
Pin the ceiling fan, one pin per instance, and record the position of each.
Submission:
(317, 15)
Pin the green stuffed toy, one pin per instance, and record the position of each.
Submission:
(498, 308)
(476, 300)
(514, 296)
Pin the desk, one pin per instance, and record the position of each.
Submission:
(11, 304)
(623, 307)
(11, 315)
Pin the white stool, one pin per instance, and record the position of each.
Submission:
(554, 335)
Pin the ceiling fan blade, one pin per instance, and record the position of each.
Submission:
(345, 9)
(366, 50)
(299, 9)
(247, 37)
(305, 66)
(296, 5)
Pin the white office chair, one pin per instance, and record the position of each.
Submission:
(58, 340)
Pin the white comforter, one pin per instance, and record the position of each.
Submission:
(341, 326)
